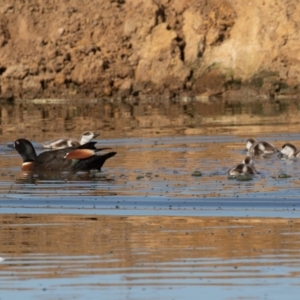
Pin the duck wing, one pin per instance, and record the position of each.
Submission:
(92, 162)
(53, 160)
(82, 158)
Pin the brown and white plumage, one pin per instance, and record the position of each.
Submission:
(255, 148)
(86, 137)
(245, 168)
(290, 150)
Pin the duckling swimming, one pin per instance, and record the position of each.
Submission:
(245, 168)
(290, 150)
(86, 137)
(254, 147)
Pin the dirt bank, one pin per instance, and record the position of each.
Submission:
(166, 48)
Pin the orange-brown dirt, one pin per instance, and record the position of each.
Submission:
(136, 48)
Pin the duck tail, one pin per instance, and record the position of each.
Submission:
(93, 162)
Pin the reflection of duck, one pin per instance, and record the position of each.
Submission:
(245, 168)
(290, 150)
(255, 147)
(82, 158)
(86, 137)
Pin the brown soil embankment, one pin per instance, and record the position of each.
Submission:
(166, 48)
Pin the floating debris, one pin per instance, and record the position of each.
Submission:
(284, 175)
(197, 174)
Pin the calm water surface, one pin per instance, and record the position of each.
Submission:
(145, 228)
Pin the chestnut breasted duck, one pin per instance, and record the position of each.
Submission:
(256, 148)
(245, 168)
(86, 137)
(82, 158)
(290, 150)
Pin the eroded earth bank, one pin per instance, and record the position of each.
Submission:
(135, 48)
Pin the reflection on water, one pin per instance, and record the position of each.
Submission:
(174, 254)
(158, 173)
(80, 246)
(41, 120)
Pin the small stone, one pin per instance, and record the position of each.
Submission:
(139, 177)
(60, 31)
(16, 72)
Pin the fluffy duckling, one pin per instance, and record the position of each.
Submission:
(290, 150)
(86, 137)
(254, 147)
(245, 168)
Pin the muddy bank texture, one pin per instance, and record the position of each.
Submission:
(122, 48)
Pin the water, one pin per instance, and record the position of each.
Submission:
(145, 228)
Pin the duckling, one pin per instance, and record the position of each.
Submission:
(86, 137)
(254, 147)
(245, 168)
(290, 150)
